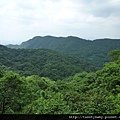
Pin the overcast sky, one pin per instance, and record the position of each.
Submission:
(21, 20)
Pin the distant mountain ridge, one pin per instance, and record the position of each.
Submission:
(49, 42)
(94, 51)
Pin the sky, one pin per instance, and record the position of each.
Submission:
(21, 20)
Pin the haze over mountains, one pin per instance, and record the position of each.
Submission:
(94, 52)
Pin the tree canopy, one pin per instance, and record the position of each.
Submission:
(84, 93)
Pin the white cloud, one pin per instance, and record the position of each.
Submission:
(21, 20)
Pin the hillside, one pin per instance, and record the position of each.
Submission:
(84, 93)
(94, 52)
(42, 62)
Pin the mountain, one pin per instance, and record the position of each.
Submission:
(12, 46)
(94, 52)
(42, 62)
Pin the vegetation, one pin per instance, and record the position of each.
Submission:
(95, 52)
(84, 93)
(42, 62)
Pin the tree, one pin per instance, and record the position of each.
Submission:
(12, 91)
(52, 103)
(114, 55)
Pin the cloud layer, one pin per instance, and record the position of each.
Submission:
(91, 19)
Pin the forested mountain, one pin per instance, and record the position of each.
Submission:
(84, 93)
(94, 52)
(45, 81)
(42, 62)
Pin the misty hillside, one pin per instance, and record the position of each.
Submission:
(94, 52)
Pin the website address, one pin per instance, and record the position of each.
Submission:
(94, 117)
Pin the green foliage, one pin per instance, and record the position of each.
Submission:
(109, 76)
(42, 62)
(54, 104)
(84, 93)
(115, 55)
(93, 51)
(10, 87)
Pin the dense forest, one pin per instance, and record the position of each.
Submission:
(43, 81)
(83, 93)
(42, 62)
(95, 52)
